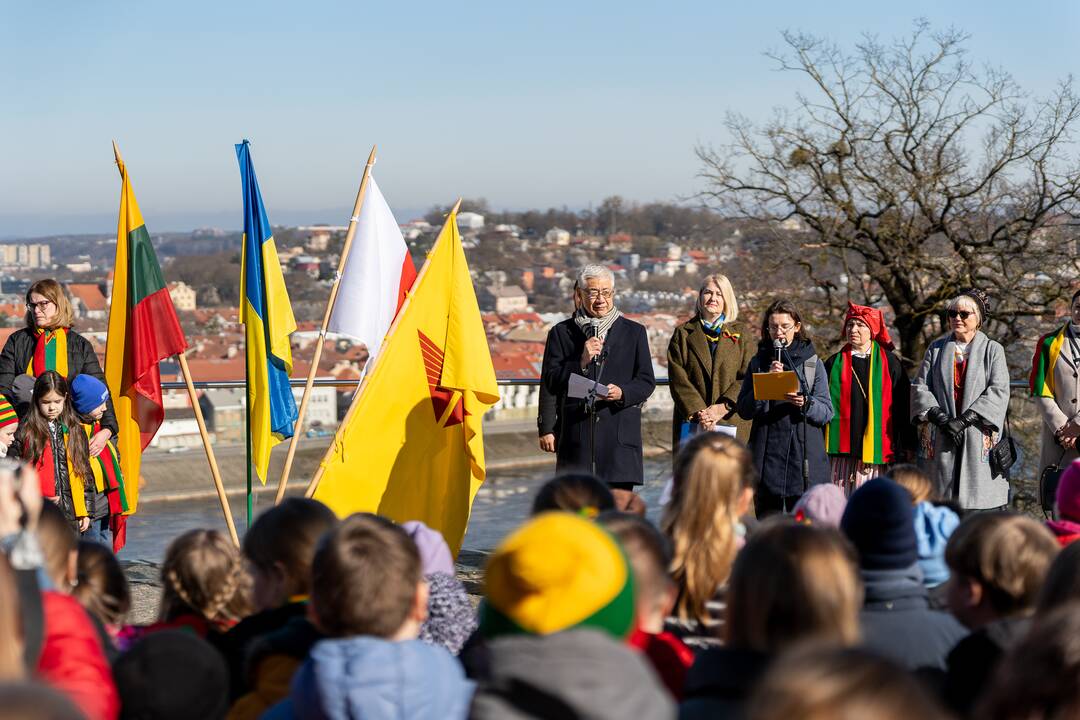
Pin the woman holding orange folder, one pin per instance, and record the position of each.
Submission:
(787, 436)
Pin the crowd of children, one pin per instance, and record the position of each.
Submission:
(888, 604)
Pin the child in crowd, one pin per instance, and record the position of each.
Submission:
(59, 549)
(369, 598)
(1039, 679)
(1062, 583)
(712, 487)
(649, 557)
(9, 424)
(934, 524)
(278, 548)
(897, 620)
(822, 504)
(826, 683)
(205, 588)
(998, 562)
(102, 589)
(451, 619)
(61, 456)
(792, 584)
(89, 397)
(172, 675)
(558, 605)
(574, 492)
(1066, 526)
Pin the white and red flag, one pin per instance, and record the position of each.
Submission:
(377, 275)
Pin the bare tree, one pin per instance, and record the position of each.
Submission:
(916, 173)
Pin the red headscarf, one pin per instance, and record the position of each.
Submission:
(874, 319)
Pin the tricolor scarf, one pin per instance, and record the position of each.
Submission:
(877, 439)
(46, 469)
(50, 352)
(109, 479)
(1047, 352)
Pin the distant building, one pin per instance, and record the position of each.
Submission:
(34, 255)
(509, 299)
(183, 296)
(557, 236)
(88, 301)
(470, 221)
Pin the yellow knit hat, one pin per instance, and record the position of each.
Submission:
(556, 572)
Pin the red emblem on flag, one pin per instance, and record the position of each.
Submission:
(440, 397)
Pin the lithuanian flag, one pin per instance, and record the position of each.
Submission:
(1047, 352)
(143, 330)
(411, 446)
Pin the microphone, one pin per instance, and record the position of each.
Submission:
(778, 345)
(593, 327)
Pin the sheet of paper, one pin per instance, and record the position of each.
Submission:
(775, 386)
(580, 386)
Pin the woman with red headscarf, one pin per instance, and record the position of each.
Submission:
(870, 397)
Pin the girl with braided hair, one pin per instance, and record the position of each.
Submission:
(206, 588)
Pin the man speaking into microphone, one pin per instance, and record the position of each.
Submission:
(600, 344)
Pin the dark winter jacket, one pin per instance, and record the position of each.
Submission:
(574, 674)
(237, 642)
(776, 436)
(973, 661)
(720, 682)
(19, 351)
(897, 621)
(628, 364)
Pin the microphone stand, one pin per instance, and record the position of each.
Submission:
(806, 402)
(590, 407)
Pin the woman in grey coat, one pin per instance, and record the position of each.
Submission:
(1055, 385)
(961, 395)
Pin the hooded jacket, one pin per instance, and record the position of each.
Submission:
(576, 674)
(376, 679)
(897, 621)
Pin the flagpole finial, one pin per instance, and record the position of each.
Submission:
(457, 205)
(116, 153)
(371, 157)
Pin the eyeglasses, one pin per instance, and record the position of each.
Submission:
(962, 314)
(594, 294)
(781, 328)
(32, 306)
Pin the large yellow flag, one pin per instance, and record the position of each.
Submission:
(412, 445)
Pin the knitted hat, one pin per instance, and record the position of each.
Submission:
(880, 523)
(7, 413)
(435, 554)
(451, 618)
(556, 572)
(981, 299)
(822, 504)
(87, 393)
(172, 674)
(1068, 492)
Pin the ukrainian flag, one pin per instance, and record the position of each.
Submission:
(268, 321)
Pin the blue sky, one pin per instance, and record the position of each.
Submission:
(528, 105)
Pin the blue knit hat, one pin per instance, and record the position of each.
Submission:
(87, 393)
(880, 522)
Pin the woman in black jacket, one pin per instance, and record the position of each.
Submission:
(48, 343)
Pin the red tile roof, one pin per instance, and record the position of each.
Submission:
(89, 294)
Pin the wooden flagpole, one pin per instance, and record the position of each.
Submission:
(349, 235)
(314, 484)
(222, 497)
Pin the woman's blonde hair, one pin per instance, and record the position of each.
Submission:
(823, 682)
(731, 305)
(54, 292)
(204, 575)
(711, 472)
(793, 583)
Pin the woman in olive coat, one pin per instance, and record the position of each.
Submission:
(707, 358)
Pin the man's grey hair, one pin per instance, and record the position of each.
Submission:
(594, 271)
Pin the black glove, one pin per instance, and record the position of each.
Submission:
(937, 416)
(957, 426)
